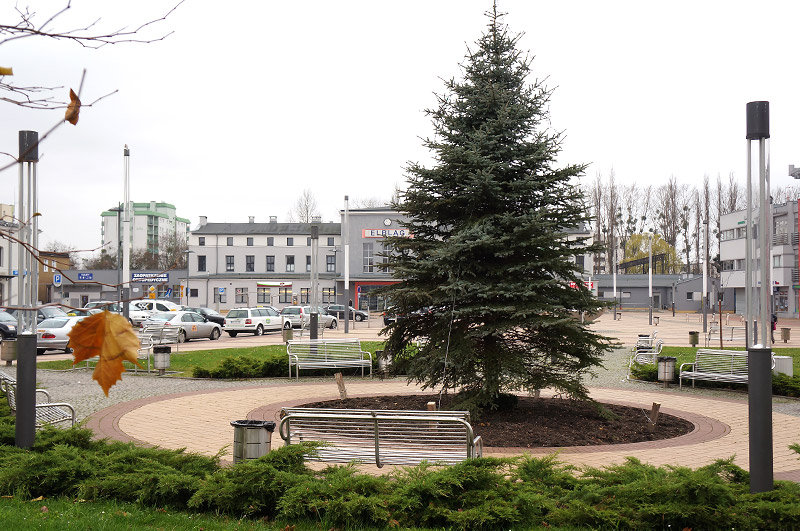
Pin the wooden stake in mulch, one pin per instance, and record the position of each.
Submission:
(431, 406)
(340, 383)
(654, 416)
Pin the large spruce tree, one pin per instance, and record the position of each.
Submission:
(490, 254)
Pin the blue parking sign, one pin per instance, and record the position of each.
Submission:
(57, 280)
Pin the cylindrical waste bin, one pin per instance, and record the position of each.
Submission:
(694, 338)
(8, 351)
(666, 369)
(251, 438)
(288, 334)
(785, 332)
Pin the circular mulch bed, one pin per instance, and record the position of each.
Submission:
(543, 422)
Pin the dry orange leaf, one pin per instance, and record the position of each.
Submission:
(73, 109)
(6, 71)
(108, 336)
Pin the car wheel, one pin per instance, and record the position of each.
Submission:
(181, 337)
(68, 350)
(259, 330)
(232, 334)
(40, 351)
(287, 325)
(214, 334)
(334, 324)
(359, 317)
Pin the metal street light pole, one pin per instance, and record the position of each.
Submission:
(705, 277)
(650, 276)
(759, 363)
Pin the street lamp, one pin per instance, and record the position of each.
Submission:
(186, 261)
(650, 275)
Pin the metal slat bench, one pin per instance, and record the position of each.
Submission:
(383, 437)
(161, 335)
(717, 366)
(327, 354)
(46, 412)
(645, 355)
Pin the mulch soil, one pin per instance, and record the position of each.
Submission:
(543, 422)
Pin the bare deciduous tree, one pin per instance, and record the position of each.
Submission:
(305, 208)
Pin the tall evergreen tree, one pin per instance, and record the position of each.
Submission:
(490, 254)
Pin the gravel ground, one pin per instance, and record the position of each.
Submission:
(77, 387)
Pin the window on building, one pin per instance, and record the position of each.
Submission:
(305, 295)
(241, 296)
(289, 242)
(270, 241)
(193, 292)
(290, 264)
(284, 295)
(45, 267)
(1, 258)
(330, 263)
(270, 263)
(689, 295)
(249, 241)
(328, 295)
(727, 265)
(580, 261)
(368, 258)
(230, 241)
(308, 264)
(262, 295)
(777, 260)
(308, 241)
(201, 262)
(330, 241)
(201, 241)
(219, 297)
(228, 262)
(250, 263)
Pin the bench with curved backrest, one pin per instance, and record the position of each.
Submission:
(47, 412)
(717, 366)
(327, 354)
(161, 335)
(645, 355)
(383, 437)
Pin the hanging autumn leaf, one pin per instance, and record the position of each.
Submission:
(6, 71)
(73, 109)
(108, 336)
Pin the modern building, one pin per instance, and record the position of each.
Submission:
(8, 289)
(80, 286)
(784, 277)
(685, 291)
(151, 223)
(249, 264)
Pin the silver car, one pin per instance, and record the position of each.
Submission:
(51, 334)
(254, 320)
(193, 325)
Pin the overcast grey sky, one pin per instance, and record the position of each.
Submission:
(250, 102)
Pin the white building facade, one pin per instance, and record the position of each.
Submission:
(784, 278)
(150, 223)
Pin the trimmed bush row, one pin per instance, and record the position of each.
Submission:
(486, 493)
(275, 367)
(782, 384)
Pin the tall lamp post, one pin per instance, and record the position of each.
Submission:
(759, 363)
(705, 278)
(650, 275)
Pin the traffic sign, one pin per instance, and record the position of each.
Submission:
(221, 291)
(57, 280)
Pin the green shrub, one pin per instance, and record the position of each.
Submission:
(786, 385)
(645, 372)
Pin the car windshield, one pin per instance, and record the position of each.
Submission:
(5, 316)
(237, 313)
(53, 323)
(162, 316)
(52, 312)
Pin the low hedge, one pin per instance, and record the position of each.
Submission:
(488, 493)
(274, 367)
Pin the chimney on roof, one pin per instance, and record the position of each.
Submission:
(251, 219)
(273, 219)
(203, 221)
(316, 219)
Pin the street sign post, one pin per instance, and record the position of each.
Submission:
(57, 280)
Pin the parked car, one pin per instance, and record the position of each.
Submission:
(338, 311)
(8, 325)
(157, 305)
(254, 320)
(82, 312)
(51, 334)
(212, 315)
(48, 312)
(193, 325)
(111, 306)
(389, 316)
(296, 315)
(138, 313)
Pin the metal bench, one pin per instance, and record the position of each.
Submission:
(327, 354)
(717, 366)
(47, 412)
(645, 340)
(161, 335)
(307, 326)
(383, 437)
(731, 334)
(645, 355)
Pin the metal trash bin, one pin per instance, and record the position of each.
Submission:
(161, 358)
(666, 369)
(251, 438)
(288, 334)
(785, 334)
(8, 350)
(694, 338)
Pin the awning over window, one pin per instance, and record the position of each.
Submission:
(274, 284)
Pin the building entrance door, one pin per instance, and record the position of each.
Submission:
(656, 301)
